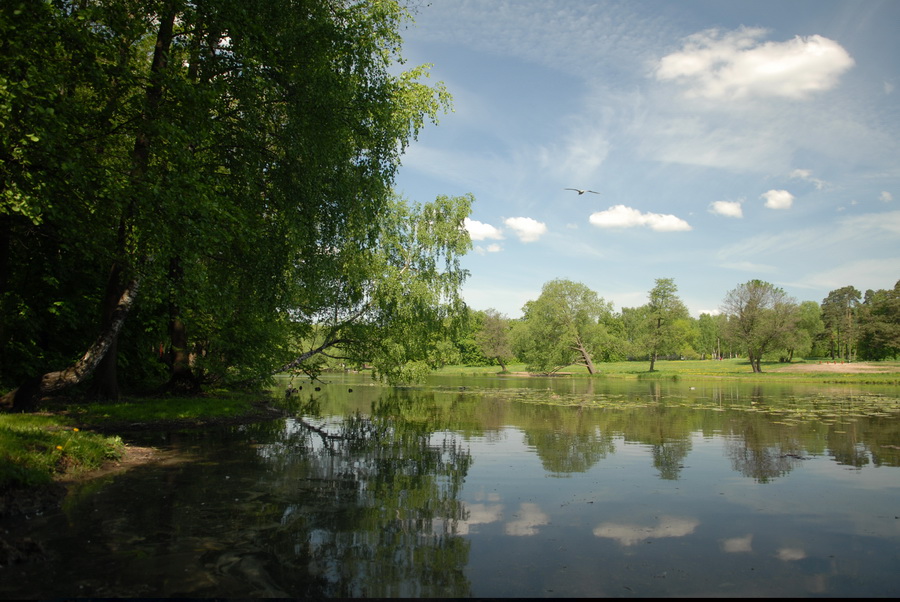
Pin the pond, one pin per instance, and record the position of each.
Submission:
(501, 487)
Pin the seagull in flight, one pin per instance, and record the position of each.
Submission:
(580, 192)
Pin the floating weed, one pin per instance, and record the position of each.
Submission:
(839, 408)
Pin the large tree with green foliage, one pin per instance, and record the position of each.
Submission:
(879, 321)
(809, 326)
(494, 338)
(561, 327)
(839, 311)
(760, 317)
(216, 153)
(662, 331)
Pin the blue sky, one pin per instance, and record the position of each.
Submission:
(729, 141)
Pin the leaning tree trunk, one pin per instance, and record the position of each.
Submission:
(106, 377)
(27, 396)
(107, 382)
(586, 357)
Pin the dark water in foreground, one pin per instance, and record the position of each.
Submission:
(514, 487)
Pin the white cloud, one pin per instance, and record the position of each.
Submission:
(481, 231)
(727, 208)
(629, 534)
(491, 248)
(529, 518)
(738, 544)
(806, 175)
(527, 229)
(737, 64)
(778, 199)
(885, 196)
(621, 216)
(479, 514)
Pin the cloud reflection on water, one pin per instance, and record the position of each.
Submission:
(738, 544)
(629, 534)
(526, 520)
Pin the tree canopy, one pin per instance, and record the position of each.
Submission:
(760, 317)
(563, 326)
(216, 153)
(661, 331)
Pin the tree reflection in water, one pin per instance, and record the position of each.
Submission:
(377, 500)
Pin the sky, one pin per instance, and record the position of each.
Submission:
(729, 141)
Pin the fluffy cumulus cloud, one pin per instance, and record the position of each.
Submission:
(727, 208)
(621, 216)
(527, 229)
(738, 64)
(778, 199)
(885, 196)
(481, 231)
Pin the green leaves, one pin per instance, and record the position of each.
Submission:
(255, 145)
(561, 327)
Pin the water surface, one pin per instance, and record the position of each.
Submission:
(502, 487)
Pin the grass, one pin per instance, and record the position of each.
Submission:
(219, 404)
(690, 369)
(36, 448)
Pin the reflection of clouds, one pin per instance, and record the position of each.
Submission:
(530, 517)
(628, 535)
(479, 514)
(527, 519)
(738, 544)
(791, 554)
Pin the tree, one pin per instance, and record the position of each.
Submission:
(809, 326)
(561, 327)
(839, 314)
(394, 305)
(709, 338)
(879, 322)
(216, 153)
(760, 316)
(494, 338)
(661, 331)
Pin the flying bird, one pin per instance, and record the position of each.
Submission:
(579, 191)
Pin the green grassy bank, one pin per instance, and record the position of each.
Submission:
(68, 439)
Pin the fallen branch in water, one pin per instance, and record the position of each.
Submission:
(322, 432)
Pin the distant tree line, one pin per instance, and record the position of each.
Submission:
(569, 324)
